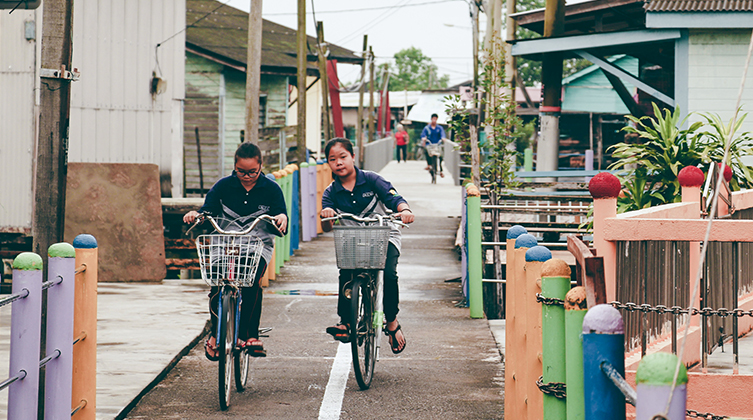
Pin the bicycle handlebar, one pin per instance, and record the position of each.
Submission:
(379, 218)
(265, 217)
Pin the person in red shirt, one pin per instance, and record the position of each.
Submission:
(401, 140)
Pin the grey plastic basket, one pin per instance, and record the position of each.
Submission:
(361, 247)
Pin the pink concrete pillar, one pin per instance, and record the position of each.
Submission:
(691, 180)
(604, 189)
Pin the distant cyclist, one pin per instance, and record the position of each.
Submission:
(364, 193)
(242, 197)
(433, 133)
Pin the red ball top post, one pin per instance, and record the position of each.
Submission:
(690, 176)
(727, 172)
(604, 185)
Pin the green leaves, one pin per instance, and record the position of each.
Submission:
(659, 149)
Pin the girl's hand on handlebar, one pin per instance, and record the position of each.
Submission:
(281, 220)
(190, 217)
(328, 212)
(406, 216)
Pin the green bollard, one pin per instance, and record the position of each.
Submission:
(555, 283)
(575, 311)
(288, 190)
(475, 261)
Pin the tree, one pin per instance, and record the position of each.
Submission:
(415, 71)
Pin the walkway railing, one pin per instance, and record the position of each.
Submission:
(70, 364)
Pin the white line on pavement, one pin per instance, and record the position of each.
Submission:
(338, 378)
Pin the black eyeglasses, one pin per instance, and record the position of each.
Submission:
(250, 174)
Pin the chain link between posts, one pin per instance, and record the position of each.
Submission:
(555, 389)
(678, 310)
(693, 414)
(549, 301)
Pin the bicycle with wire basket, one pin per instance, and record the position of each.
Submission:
(363, 249)
(228, 260)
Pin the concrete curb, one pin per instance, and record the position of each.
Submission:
(160, 376)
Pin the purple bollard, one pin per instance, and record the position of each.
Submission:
(654, 384)
(305, 206)
(25, 329)
(312, 200)
(59, 371)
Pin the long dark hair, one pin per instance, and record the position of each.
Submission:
(341, 141)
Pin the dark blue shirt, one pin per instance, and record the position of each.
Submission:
(371, 194)
(433, 134)
(229, 199)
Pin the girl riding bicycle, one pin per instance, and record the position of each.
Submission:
(242, 197)
(364, 193)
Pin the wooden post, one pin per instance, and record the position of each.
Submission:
(359, 119)
(324, 78)
(513, 332)
(475, 154)
(575, 310)
(521, 369)
(253, 71)
(475, 23)
(301, 54)
(535, 258)
(555, 283)
(372, 123)
(84, 391)
(551, 77)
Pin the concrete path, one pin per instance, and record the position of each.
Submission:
(450, 369)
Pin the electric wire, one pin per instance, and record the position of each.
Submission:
(366, 9)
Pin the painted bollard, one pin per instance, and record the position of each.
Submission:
(654, 379)
(305, 196)
(84, 390)
(535, 259)
(514, 338)
(475, 258)
(25, 329)
(523, 374)
(555, 283)
(60, 305)
(289, 171)
(575, 311)
(603, 341)
(294, 221)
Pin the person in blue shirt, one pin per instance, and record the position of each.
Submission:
(364, 193)
(433, 133)
(241, 197)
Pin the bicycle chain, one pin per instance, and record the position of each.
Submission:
(556, 389)
(549, 301)
(677, 310)
(694, 414)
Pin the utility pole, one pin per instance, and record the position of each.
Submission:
(372, 123)
(551, 77)
(253, 71)
(475, 29)
(359, 122)
(324, 78)
(50, 181)
(302, 66)
(511, 69)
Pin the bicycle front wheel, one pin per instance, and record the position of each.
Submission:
(226, 341)
(362, 335)
(433, 170)
(241, 369)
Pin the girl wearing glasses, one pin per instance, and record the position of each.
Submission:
(242, 197)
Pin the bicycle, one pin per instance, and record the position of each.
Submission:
(363, 249)
(229, 259)
(433, 151)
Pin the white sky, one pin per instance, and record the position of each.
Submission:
(440, 28)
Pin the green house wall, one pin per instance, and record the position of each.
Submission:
(590, 91)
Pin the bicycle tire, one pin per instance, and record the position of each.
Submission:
(362, 335)
(241, 365)
(226, 346)
(433, 170)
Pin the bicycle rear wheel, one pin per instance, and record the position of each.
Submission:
(226, 342)
(362, 335)
(241, 369)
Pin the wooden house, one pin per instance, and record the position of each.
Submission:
(216, 56)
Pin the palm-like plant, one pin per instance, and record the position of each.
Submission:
(649, 167)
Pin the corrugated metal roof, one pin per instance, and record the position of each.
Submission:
(700, 6)
(223, 30)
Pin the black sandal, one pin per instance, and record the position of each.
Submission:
(207, 347)
(394, 345)
(339, 334)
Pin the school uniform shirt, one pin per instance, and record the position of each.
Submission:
(371, 194)
(229, 199)
(434, 135)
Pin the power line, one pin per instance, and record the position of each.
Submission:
(367, 8)
(374, 21)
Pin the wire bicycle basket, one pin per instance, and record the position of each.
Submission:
(229, 258)
(361, 247)
(433, 149)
